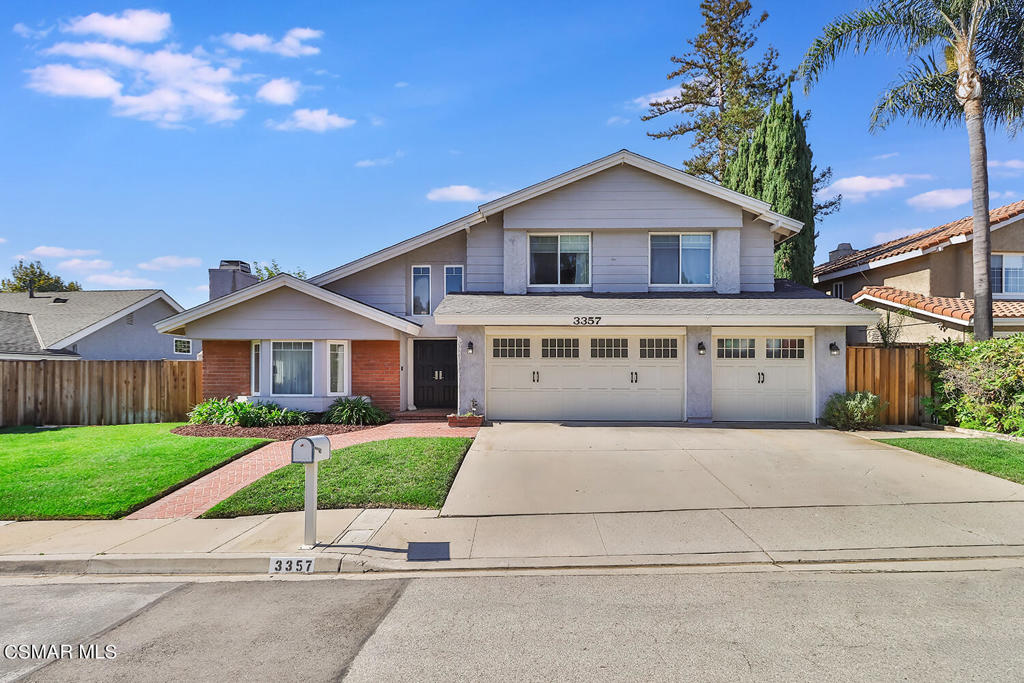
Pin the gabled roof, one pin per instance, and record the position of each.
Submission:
(914, 245)
(950, 309)
(60, 324)
(175, 323)
(782, 225)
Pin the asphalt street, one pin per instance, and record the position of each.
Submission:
(787, 626)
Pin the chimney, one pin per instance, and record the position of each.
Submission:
(844, 249)
(231, 276)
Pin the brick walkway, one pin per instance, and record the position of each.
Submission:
(202, 494)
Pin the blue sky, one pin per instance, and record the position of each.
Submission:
(143, 143)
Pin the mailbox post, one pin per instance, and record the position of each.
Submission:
(310, 450)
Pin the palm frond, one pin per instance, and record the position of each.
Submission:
(923, 91)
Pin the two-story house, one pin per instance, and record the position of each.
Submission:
(620, 290)
(928, 277)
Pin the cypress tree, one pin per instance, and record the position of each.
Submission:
(775, 166)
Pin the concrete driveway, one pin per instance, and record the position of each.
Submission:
(546, 468)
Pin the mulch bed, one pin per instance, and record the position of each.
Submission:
(283, 433)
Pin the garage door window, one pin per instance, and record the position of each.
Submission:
(735, 348)
(784, 348)
(560, 348)
(511, 348)
(609, 348)
(658, 347)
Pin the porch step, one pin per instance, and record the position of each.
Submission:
(425, 415)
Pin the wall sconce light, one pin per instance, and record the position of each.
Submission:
(469, 347)
(833, 348)
(701, 349)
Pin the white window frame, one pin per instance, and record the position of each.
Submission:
(312, 371)
(174, 346)
(590, 258)
(680, 233)
(837, 290)
(1005, 294)
(462, 273)
(348, 367)
(412, 288)
(255, 368)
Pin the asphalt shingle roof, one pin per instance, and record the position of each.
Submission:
(951, 307)
(59, 321)
(925, 239)
(787, 299)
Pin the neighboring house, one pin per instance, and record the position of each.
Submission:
(89, 325)
(621, 290)
(928, 276)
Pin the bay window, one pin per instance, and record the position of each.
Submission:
(292, 366)
(1008, 274)
(560, 260)
(421, 290)
(680, 259)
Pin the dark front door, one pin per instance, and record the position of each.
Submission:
(435, 373)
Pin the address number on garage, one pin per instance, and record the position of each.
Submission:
(587, 320)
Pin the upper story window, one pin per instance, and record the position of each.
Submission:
(1008, 274)
(421, 290)
(681, 259)
(560, 260)
(837, 290)
(453, 279)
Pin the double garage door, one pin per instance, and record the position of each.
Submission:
(585, 377)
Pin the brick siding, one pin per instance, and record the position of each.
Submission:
(225, 368)
(376, 372)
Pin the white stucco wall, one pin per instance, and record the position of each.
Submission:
(698, 375)
(829, 370)
(471, 368)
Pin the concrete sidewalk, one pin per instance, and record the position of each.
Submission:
(403, 540)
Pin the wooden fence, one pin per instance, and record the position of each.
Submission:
(896, 374)
(97, 392)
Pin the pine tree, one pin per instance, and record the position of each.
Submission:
(775, 166)
(42, 280)
(722, 96)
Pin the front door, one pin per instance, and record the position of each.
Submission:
(435, 373)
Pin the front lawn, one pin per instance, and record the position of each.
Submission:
(402, 473)
(1001, 458)
(100, 472)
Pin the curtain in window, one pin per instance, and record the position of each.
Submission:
(665, 259)
(293, 367)
(337, 363)
(543, 260)
(575, 259)
(696, 259)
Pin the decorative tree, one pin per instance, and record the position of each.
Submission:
(265, 271)
(43, 281)
(774, 165)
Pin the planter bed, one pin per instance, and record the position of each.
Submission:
(282, 433)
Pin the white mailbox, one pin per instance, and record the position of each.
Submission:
(310, 449)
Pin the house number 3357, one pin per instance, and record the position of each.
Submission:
(587, 320)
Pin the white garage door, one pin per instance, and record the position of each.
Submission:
(580, 377)
(762, 378)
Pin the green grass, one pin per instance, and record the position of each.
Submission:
(1001, 458)
(100, 472)
(402, 473)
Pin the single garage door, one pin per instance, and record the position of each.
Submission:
(585, 377)
(762, 377)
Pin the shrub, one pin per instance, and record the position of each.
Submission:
(224, 411)
(354, 411)
(854, 410)
(978, 384)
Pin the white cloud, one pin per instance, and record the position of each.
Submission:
(376, 120)
(401, 84)
(381, 161)
(279, 91)
(131, 26)
(105, 52)
(119, 278)
(171, 262)
(1015, 164)
(616, 121)
(202, 289)
(83, 264)
(61, 252)
(887, 155)
(28, 32)
(292, 45)
(859, 187)
(64, 80)
(945, 198)
(461, 193)
(2, 240)
(889, 235)
(316, 120)
(644, 101)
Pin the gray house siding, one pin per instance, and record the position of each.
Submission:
(756, 257)
(485, 256)
(136, 341)
(620, 261)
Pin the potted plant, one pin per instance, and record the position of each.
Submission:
(470, 418)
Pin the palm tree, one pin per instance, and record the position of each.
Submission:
(969, 66)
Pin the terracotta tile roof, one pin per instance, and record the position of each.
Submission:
(951, 307)
(926, 239)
